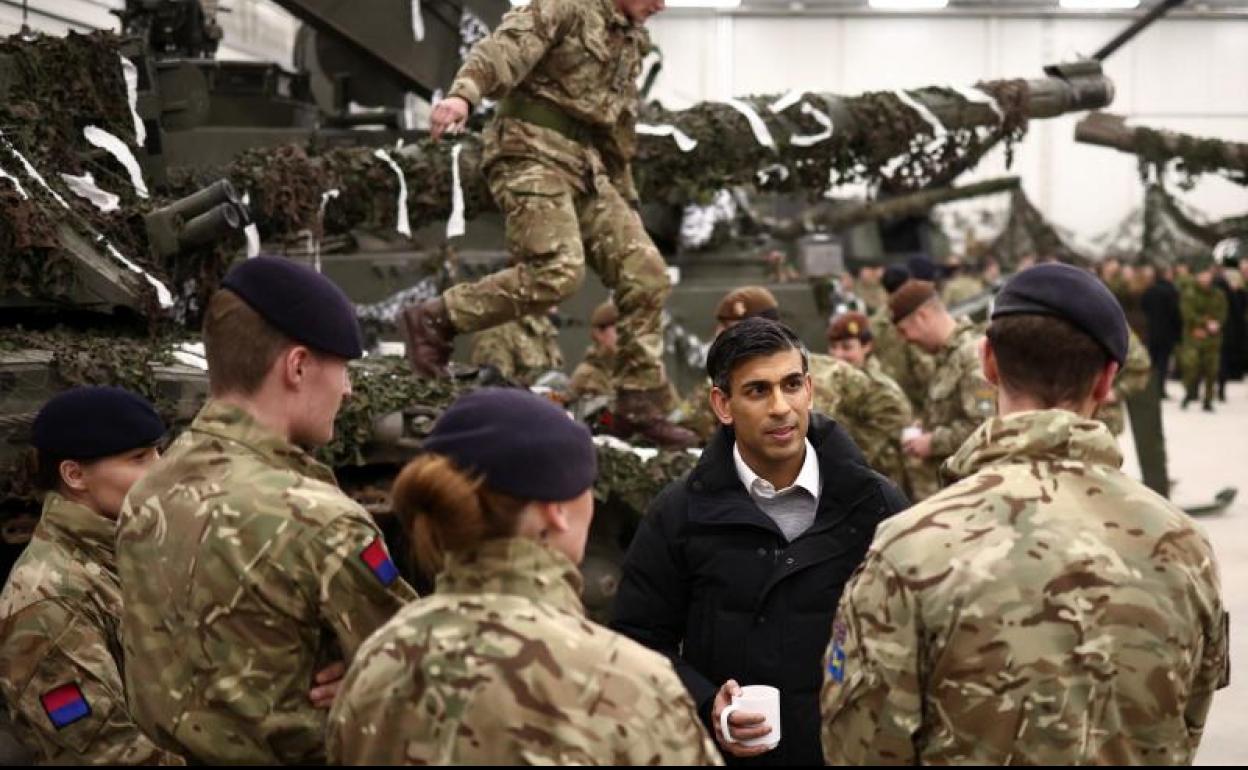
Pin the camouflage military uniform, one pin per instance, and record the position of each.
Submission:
(908, 366)
(960, 288)
(60, 647)
(1046, 610)
(557, 158)
(958, 400)
(592, 376)
(884, 452)
(1132, 378)
(244, 571)
(873, 414)
(1199, 358)
(695, 413)
(521, 350)
(501, 667)
(872, 294)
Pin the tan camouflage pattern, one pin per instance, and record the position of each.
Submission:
(872, 294)
(581, 56)
(1046, 609)
(695, 413)
(567, 203)
(907, 365)
(873, 413)
(883, 445)
(521, 350)
(592, 376)
(60, 616)
(1132, 378)
(958, 397)
(1199, 359)
(501, 667)
(960, 288)
(242, 576)
(551, 231)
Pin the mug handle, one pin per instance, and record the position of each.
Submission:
(723, 722)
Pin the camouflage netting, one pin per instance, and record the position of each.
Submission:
(634, 482)
(1191, 156)
(77, 358)
(1028, 234)
(1170, 234)
(878, 138)
(380, 387)
(56, 88)
(883, 142)
(60, 86)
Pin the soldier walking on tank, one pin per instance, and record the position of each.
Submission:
(557, 158)
(1203, 308)
(1046, 609)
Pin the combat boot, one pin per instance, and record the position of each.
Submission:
(1187, 399)
(640, 413)
(1208, 406)
(429, 337)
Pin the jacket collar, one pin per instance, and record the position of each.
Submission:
(514, 566)
(69, 522)
(717, 495)
(228, 422)
(1040, 436)
(960, 331)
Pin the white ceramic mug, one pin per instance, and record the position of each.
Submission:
(755, 699)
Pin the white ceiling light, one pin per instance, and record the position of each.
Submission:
(908, 5)
(719, 4)
(1099, 5)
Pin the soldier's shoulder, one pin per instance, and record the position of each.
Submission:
(45, 574)
(244, 481)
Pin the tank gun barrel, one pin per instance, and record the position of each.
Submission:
(1196, 154)
(1136, 27)
(833, 216)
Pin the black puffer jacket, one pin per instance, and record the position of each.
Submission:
(711, 582)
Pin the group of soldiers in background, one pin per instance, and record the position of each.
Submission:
(1192, 315)
(902, 374)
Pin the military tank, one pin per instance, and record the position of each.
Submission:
(104, 290)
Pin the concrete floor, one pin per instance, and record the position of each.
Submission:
(1206, 453)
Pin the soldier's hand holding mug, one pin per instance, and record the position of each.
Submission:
(752, 719)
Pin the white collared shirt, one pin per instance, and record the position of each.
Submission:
(792, 508)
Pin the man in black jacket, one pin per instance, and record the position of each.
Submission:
(736, 570)
(1165, 323)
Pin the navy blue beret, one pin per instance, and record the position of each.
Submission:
(520, 443)
(92, 422)
(1067, 292)
(894, 277)
(921, 267)
(300, 302)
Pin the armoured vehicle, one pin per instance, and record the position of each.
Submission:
(124, 269)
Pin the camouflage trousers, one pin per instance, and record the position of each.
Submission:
(553, 230)
(1198, 363)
